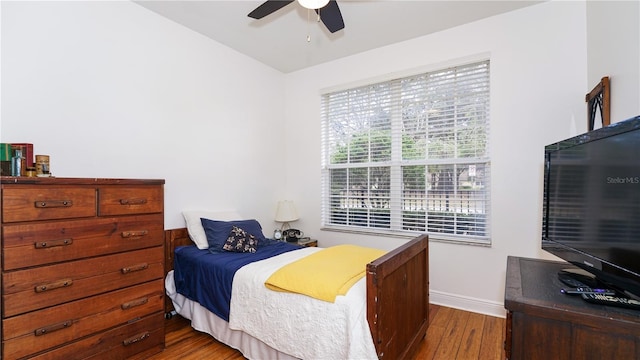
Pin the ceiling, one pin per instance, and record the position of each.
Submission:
(280, 39)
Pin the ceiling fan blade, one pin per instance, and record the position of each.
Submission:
(269, 7)
(331, 16)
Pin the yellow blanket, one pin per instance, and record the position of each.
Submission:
(326, 273)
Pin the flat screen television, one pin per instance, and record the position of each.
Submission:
(591, 204)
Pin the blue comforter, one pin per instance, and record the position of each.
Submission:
(207, 277)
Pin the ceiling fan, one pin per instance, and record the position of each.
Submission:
(328, 11)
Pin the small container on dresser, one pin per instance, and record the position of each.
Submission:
(82, 267)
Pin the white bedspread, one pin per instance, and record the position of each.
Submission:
(299, 325)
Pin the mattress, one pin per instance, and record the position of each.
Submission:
(292, 325)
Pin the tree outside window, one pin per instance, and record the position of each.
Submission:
(410, 155)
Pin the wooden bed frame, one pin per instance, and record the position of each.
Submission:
(397, 294)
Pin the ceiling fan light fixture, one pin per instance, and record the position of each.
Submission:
(313, 4)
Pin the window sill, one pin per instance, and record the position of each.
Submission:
(410, 235)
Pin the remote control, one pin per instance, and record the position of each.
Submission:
(612, 300)
(587, 290)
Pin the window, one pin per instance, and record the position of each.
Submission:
(410, 156)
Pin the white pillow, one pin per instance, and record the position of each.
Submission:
(194, 225)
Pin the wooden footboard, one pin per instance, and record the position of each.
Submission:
(397, 294)
(398, 299)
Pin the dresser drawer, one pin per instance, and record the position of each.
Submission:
(22, 203)
(37, 288)
(47, 328)
(116, 200)
(118, 343)
(43, 243)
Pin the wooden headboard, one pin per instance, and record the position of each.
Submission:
(172, 239)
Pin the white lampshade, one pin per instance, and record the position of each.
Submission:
(313, 4)
(286, 211)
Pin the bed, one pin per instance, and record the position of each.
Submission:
(397, 303)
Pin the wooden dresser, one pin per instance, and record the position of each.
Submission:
(82, 267)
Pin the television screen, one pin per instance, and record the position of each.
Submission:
(591, 212)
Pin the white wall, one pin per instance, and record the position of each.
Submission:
(538, 82)
(110, 89)
(613, 49)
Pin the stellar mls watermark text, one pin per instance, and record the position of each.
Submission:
(623, 180)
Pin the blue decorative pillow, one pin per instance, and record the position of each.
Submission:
(218, 231)
(240, 241)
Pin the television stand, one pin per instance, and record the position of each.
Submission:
(543, 323)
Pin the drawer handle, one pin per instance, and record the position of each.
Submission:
(52, 243)
(135, 339)
(50, 328)
(134, 303)
(132, 268)
(133, 201)
(135, 233)
(53, 204)
(54, 285)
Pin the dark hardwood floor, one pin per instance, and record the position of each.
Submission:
(458, 334)
(453, 334)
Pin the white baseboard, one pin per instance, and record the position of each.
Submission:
(467, 303)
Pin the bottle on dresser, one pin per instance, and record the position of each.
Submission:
(17, 163)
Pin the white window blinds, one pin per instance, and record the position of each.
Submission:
(410, 155)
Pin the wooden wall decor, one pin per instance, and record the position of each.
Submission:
(599, 101)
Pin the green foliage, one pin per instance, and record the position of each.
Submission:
(367, 146)
(375, 146)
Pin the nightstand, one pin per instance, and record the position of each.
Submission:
(307, 242)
